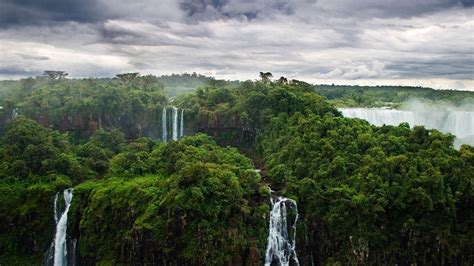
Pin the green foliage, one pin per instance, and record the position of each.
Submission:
(30, 151)
(236, 115)
(366, 96)
(396, 192)
(183, 83)
(26, 220)
(202, 197)
(388, 190)
(81, 106)
(366, 194)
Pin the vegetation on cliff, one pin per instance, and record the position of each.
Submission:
(184, 202)
(366, 194)
(374, 195)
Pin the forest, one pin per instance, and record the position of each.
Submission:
(390, 96)
(366, 195)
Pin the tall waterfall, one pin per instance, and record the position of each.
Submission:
(181, 127)
(175, 123)
(281, 238)
(60, 244)
(164, 130)
(459, 123)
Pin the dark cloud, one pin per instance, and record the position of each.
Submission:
(467, 3)
(249, 9)
(193, 7)
(455, 67)
(313, 9)
(114, 34)
(18, 72)
(26, 12)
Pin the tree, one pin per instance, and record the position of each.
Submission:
(266, 76)
(282, 81)
(55, 74)
(127, 77)
(30, 150)
(27, 86)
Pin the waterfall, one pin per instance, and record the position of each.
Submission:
(175, 123)
(458, 123)
(379, 116)
(73, 255)
(281, 238)
(56, 218)
(177, 131)
(60, 244)
(164, 130)
(15, 113)
(181, 128)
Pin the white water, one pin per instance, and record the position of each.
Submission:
(181, 128)
(281, 241)
(458, 123)
(164, 130)
(60, 244)
(73, 255)
(175, 123)
(56, 217)
(15, 113)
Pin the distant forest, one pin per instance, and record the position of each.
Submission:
(340, 95)
(391, 96)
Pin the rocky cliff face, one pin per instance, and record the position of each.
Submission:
(81, 126)
(228, 129)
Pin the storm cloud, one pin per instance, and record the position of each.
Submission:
(428, 43)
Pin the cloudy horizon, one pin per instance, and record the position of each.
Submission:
(426, 43)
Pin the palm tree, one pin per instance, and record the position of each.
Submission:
(266, 77)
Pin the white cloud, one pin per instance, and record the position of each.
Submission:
(314, 41)
(373, 70)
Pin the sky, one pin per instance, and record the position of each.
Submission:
(367, 42)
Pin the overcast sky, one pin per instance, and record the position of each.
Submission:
(407, 42)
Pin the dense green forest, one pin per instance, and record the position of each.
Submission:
(392, 96)
(128, 102)
(365, 194)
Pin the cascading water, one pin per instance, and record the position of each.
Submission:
(60, 244)
(281, 238)
(181, 128)
(164, 130)
(175, 123)
(73, 255)
(459, 123)
(56, 217)
(379, 116)
(15, 113)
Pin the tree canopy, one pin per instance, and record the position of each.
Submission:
(365, 194)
